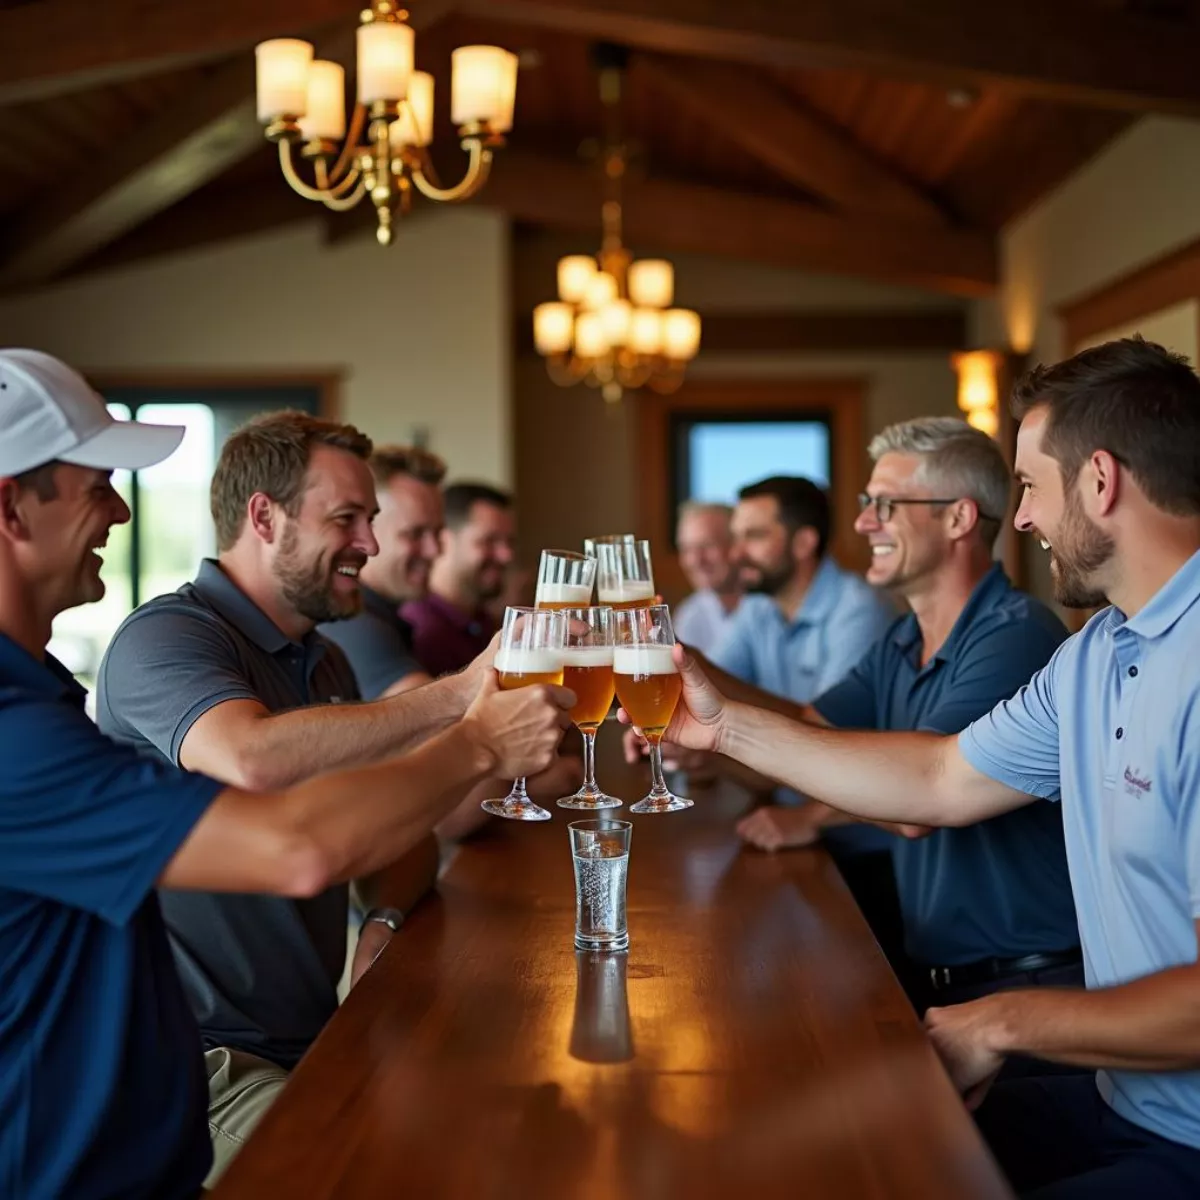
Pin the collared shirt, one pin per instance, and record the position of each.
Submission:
(999, 889)
(445, 638)
(261, 972)
(701, 620)
(1112, 727)
(840, 618)
(102, 1085)
(377, 642)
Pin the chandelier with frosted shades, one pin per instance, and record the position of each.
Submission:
(302, 103)
(613, 325)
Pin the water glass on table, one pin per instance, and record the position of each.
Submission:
(600, 852)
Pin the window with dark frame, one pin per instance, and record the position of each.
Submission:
(713, 455)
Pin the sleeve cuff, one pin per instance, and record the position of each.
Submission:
(983, 762)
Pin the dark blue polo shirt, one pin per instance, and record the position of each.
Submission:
(996, 889)
(102, 1083)
(261, 972)
(377, 642)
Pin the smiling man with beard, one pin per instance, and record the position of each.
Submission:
(229, 676)
(1108, 455)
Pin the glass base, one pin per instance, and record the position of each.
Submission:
(661, 804)
(618, 943)
(515, 810)
(589, 801)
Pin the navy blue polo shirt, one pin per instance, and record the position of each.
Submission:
(102, 1083)
(261, 972)
(1000, 888)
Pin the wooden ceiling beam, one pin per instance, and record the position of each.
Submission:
(669, 215)
(1068, 50)
(189, 145)
(63, 45)
(780, 131)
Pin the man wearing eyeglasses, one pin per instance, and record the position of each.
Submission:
(988, 906)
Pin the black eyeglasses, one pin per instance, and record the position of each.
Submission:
(883, 505)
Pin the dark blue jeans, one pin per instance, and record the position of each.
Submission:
(1056, 1139)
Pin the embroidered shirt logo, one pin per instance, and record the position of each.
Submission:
(1135, 785)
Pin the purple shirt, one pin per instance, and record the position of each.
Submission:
(444, 637)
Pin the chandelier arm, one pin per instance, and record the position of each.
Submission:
(338, 201)
(350, 149)
(634, 375)
(669, 380)
(479, 166)
(346, 185)
(566, 370)
(292, 176)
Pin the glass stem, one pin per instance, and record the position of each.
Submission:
(658, 785)
(589, 762)
(518, 795)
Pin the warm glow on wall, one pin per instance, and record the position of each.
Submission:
(979, 388)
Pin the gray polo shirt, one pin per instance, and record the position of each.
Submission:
(378, 643)
(261, 972)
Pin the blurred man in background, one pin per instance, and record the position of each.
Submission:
(451, 624)
(705, 547)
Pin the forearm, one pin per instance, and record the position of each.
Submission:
(401, 884)
(739, 690)
(873, 776)
(366, 819)
(289, 747)
(1152, 1024)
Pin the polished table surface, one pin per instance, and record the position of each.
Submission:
(753, 1041)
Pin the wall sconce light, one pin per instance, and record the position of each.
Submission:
(979, 373)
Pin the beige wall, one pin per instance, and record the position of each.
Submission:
(420, 331)
(1177, 328)
(1136, 201)
(1133, 203)
(571, 444)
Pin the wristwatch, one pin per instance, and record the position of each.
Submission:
(393, 918)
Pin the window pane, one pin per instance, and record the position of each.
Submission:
(724, 456)
(176, 528)
(81, 635)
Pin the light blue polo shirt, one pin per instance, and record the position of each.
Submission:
(838, 621)
(1112, 725)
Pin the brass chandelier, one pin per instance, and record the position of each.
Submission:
(613, 326)
(303, 102)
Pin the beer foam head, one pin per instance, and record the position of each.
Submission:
(517, 660)
(627, 590)
(589, 656)
(564, 593)
(644, 660)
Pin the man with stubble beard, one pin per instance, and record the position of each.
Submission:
(452, 624)
(230, 677)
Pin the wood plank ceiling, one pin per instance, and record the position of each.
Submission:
(884, 138)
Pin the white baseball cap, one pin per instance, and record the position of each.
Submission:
(49, 413)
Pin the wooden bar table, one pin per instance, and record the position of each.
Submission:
(752, 1043)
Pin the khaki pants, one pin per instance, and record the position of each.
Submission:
(241, 1087)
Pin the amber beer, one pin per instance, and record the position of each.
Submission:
(648, 686)
(563, 595)
(588, 672)
(518, 667)
(632, 593)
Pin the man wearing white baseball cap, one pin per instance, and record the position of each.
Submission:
(50, 413)
(102, 1078)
